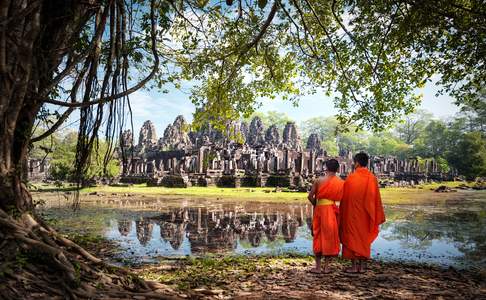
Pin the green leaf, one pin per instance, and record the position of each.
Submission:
(262, 3)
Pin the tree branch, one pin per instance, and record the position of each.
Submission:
(351, 36)
(77, 58)
(54, 127)
(129, 91)
(264, 28)
(384, 39)
(335, 51)
(254, 41)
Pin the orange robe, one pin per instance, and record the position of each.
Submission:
(325, 222)
(361, 213)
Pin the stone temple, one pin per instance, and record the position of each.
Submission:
(245, 155)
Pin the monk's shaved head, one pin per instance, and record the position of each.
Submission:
(362, 159)
(332, 165)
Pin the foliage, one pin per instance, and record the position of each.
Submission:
(326, 128)
(475, 115)
(61, 152)
(335, 137)
(418, 135)
(435, 140)
(385, 144)
(412, 126)
(372, 56)
(365, 53)
(270, 118)
(452, 144)
(469, 155)
(443, 164)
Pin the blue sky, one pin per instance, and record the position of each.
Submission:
(162, 109)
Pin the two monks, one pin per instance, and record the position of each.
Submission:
(355, 224)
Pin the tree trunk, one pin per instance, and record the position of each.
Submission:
(18, 107)
(33, 39)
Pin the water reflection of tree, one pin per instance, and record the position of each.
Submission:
(465, 229)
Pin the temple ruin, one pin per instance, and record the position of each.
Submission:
(246, 155)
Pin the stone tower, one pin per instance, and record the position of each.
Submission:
(256, 132)
(313, 142)
(244, 131)
(272, 137)
(291, 137)
(126, 140)
(175, 135)
(147, 136)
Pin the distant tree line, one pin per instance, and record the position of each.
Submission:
(60, 149)
(458, 142)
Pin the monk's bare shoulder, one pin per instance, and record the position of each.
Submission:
(317, 180)
(322, 179)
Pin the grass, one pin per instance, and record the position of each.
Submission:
(391, 195)
(213, 192)
(196, 192)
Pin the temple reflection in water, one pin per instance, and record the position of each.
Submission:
(214, 230)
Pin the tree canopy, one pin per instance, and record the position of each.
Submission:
(372, 56)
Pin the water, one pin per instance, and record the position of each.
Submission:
(221, 228)
(448, 231)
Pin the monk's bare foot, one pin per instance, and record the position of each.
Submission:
(351, 270)
(362, 267)
(315, 271)
(326, 270)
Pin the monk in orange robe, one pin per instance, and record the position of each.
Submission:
(323, 195)
(361, 213)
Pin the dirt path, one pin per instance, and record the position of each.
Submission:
(288, 278)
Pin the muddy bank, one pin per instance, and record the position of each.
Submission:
(288, 278)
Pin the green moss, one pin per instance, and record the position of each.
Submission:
(87, 225)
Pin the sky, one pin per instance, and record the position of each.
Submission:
(162, 108)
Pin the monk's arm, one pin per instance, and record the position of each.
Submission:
(379, 205)
(312, 193)
(342, 205)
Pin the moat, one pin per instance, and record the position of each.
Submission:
(445, 230)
